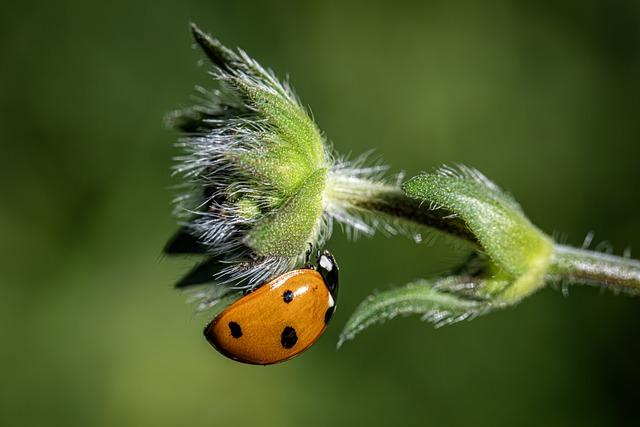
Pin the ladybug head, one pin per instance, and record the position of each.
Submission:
(328, 269)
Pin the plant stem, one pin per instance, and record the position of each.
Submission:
(391, 201)
(585, 267)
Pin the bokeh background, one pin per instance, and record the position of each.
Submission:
(543, 97)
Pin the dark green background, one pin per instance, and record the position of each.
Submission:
(543, 97)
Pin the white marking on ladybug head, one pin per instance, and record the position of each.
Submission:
(325, 263)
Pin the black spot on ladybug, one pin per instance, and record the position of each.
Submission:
(287, 296)
(236, 330)
(329, 313)
(288, 338)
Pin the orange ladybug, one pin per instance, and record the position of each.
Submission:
(281, 319)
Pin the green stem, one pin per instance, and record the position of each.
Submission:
(581, 266)
(392, 202)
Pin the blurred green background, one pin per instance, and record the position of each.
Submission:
(543, 97)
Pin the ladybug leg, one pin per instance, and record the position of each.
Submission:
(328, 269)
(307, 256)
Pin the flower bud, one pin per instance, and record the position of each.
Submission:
(261, 187)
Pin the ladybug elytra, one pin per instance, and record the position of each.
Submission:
(281, 319)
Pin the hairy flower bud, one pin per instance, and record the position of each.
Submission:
(261, 187)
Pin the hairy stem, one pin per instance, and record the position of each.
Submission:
(585, 267)
(391, 201)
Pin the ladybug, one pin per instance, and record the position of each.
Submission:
(281, 319)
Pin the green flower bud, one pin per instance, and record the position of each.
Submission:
(261, 185)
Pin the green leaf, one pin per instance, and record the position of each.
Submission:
(431, 299)
(519, 251)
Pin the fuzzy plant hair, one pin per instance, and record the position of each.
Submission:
(261, 189)
(261, 185)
